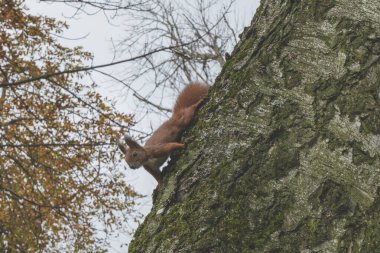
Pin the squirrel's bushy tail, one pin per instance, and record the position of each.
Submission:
(192, 93)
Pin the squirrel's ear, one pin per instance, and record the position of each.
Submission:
(131, 142)
(122, 147)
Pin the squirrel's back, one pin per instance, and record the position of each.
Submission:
(190, 95)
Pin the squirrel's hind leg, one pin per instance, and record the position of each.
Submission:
(188, 114)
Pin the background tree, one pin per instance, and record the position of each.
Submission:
(58, 178)
(190, 40)
(198, 36)
(285, 155)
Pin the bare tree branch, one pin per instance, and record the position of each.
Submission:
(141, 98)
(83, 69)
(135, 93)
(187, 39)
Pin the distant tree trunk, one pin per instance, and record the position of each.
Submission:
(285, 155)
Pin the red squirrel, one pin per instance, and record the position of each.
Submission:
(164, 140)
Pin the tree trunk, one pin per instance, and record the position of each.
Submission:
(285, 155)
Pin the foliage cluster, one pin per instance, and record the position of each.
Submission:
(58, 176)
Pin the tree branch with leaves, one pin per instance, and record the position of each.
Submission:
(58, 167)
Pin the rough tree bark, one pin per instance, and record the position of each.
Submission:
(285, 155)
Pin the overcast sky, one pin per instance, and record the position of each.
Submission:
(96, 34)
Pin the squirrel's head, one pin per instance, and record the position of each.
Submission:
(135, 155)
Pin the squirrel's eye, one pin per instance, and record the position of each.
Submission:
(134, 154)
